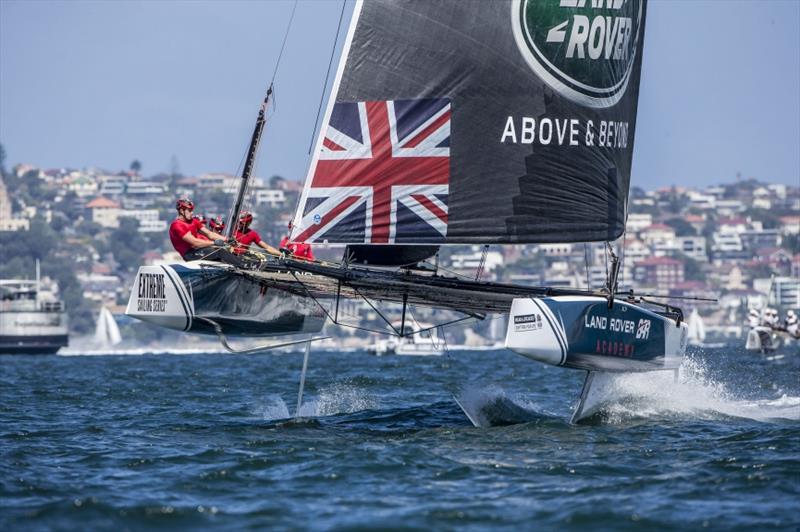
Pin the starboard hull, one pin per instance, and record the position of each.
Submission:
(581, 332)
(212, 298)
(762, 339)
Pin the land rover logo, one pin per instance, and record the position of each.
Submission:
(584, 49)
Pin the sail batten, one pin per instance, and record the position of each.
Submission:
(449, 122)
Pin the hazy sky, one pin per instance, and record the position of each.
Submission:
(101, 83)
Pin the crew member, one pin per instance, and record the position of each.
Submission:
(792, 324)
(300, 251)
(194, 241)
(771, 317)
(246, 236)
(754, 318)
(217, 225)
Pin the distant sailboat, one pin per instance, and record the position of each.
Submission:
(697, 331)
(106, 333)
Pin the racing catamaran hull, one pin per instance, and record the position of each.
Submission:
(762, 339)
(213, 298)
(582, 332)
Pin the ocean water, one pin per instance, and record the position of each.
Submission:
(210, 441)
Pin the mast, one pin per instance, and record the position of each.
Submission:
(38, 283)
(248, 165)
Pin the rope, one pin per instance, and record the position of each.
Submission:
(327, 77)
(482, 263)
(451, 272)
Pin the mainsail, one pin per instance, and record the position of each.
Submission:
(469, 121)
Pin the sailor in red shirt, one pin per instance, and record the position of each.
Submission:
(217, 225)
(193, 240)
(246, 236)
(298, 251)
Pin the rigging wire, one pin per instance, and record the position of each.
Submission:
(327, 77)
(248, 205)
(283, 44)
(622, 259)
(586, 261)
(482, 264)
(451, 272)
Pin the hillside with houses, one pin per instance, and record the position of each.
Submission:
(92, 228)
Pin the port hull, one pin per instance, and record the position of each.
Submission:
(212, 298)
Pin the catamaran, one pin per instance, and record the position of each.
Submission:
(492, 123)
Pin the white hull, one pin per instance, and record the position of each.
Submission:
(582, 332)
(213, 298)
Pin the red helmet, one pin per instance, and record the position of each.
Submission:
(246, 218)
(216, 224)
(184, 203)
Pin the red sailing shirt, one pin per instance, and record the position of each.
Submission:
(245, 239)
(179, 228)
(300, 251)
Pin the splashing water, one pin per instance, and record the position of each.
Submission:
(338, 398)
(271, 408)
(492, 406)
(694, 394)
(626, 396)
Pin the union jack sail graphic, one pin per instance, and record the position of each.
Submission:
(382, 175)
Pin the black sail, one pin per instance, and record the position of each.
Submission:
(473, 121)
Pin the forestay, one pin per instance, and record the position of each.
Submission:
(478, 122)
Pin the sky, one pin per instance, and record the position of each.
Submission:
(101, 83)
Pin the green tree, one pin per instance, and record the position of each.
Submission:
(275, 181)
(761, 271)
(692, 270)
(127, 244)
(770, 219)
(136, 166)
(2, 161)
(791, 243)
(676, 202)
(681, 226)
(88, 228)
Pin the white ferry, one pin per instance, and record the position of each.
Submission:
(32, 320)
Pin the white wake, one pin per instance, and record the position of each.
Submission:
(694, 394)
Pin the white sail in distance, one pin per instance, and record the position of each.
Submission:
(106, 332)
(697, 331)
